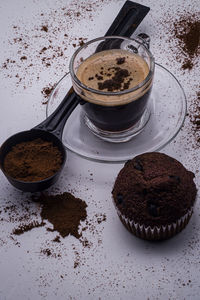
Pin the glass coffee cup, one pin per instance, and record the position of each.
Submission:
(113, 76)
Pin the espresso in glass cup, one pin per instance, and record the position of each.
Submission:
(113, 76)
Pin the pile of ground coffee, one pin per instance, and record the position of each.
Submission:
(186, 30)
(64, 211)
(33, 160)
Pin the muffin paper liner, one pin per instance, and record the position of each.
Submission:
(160, 232)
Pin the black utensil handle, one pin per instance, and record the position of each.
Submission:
(126, 22)
(128, 19)
(56, 121)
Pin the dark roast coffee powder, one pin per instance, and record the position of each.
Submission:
(64, 211)
(33, 160)
(27, 227)
(194, 114)
(186, 30)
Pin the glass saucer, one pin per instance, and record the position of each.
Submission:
(167, 107)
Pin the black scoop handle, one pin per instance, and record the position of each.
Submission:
(130, 16)
(56, 121)
(126, 22)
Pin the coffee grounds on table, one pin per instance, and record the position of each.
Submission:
(194, 114)
(32, 161)
(64, 212)
(27, 227)
(29, 41)
(46, 91)
(186, 30)
(196, 117)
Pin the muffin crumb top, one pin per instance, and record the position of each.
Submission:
(154, 189)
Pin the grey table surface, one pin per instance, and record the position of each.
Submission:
(117, 265)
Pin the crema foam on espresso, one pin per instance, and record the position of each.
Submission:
(113, 70)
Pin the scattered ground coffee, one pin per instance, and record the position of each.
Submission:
(46, 91)
(33, 160)
(27, 227)
(28, 39)
(194, 114)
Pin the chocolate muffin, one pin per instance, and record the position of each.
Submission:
(154, 195)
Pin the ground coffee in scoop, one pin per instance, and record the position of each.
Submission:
(33, 160)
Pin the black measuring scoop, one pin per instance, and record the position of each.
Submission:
(50, 130)
(128, 19)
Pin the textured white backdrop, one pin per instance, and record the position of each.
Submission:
(117, 265)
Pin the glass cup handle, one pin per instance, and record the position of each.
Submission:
(145, 39)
